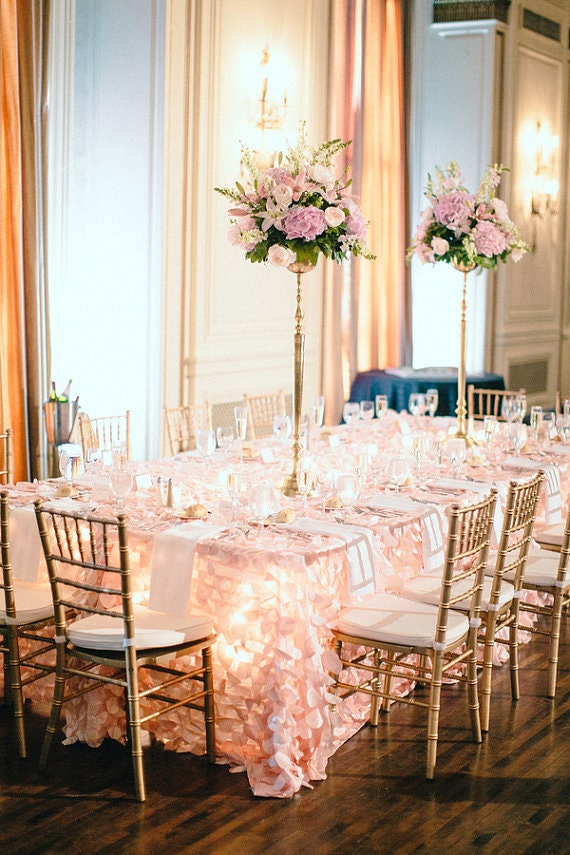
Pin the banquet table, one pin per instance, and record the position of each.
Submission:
(399, 384)
(274, 589)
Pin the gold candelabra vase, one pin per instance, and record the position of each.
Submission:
(291, 487)
(461, 410)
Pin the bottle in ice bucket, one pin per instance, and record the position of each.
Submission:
(53, 393)
(64, 397)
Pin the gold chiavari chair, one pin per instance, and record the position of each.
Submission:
(407, 639)
(261, 410)
(86, 569)
(105, 432)
(26, 610)
(501, 590)
(6, 466)
(547, 573)
(183, 423)
(488, 402)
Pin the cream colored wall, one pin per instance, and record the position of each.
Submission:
(228, 324)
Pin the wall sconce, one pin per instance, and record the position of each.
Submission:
(544, 186)
(270, 107)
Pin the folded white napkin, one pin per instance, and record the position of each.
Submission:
(361, 550)
(26, 553)
(483, 489)
(553, 503)
(433, 547)
(173, 564)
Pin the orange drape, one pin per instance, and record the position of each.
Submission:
(364, 305)
(23, 24)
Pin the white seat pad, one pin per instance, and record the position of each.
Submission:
(398, 620)
(33, 602)
(541, 568)
(427, 589)
(552, 534)
(152, 629)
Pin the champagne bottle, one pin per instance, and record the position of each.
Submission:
(64, 397)
(53, 393)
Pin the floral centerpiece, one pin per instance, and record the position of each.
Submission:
(464, 229)
(297, 209)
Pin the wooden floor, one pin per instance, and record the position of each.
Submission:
(509, 795)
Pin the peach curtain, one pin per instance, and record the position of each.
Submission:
(365, 301)
(22, 27)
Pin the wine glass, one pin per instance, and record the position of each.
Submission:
(432, 401)
(456, 454)
(350, 412)
(509, 407)
(490, 427)
(224, 439)
(419, 447)
(206, 445)
(520, 407)
(563, 427)
(381, 406)
(535, 419)
(518, 436)
(318, 410)
(366, 410)
(347, 488)
(240, 417)
(121, 484)
(398, 471)
(416, 404)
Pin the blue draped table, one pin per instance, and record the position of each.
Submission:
(398, 388)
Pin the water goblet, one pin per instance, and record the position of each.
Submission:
(432, 401)
(509, 408)
(416, 404)
(347, 489)
(206, 445)
(366, 410)
(518, 436)
(121, 484)
(456, 454)
(282, 427)
(318, 410)
(381, 406)
(350, 412)
(224, 439)
(398, 471)
(260, 505)
(69, 462)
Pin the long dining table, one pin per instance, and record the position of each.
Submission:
(275, 586)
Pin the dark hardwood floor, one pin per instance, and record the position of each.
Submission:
(509, 795)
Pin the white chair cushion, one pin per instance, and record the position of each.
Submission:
(541, 568)
(398, 620)
(552, 534)
(152, 629)
(33, 602)
(427, 589)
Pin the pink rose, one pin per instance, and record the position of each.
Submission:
(439, 246)
(334, 216)
(283, 195)
(304, 223)
(280, 256)
(355, 222)
(489, 240)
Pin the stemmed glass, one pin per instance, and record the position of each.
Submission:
(517, 436)
(224, 439)
(240, 418)
(282, 427)
(535, 420)
(350, 412)
(206, 445)
(121, 484)
(367, 410)
(398, 472)
(69, 463)
(456, 454)
(318, 410)
(509, 408)
(419, 447)
(305, 481)
(347, 488)
(432, 401)
(381, 406)
(490, 426)
(260, 503)
(563, 427)
(416, 404)
(520, 407)
(94, 462)
(234, 490)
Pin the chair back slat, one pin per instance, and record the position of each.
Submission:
(261, 409)
(488, 402)
(183, 423)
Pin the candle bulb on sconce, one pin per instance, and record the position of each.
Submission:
(545, 185)
(271, 110)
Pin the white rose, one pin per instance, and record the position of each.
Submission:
(334, 216)
(439, 245)
(320, 174)
(283, 195)
(280, 256)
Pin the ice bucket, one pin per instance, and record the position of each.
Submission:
(60, 420)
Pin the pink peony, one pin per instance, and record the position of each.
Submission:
(355, 222)
(454, 210)
(489, 240)
(439, 245)
(334, 216)
(304, 223)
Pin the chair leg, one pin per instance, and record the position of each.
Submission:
(13, 692)
(556, 620)
(389, 660)
(134, 727)
(514, 655)
(433, 716)
(56, 704)
(487, 672)
(472, 693)
(209, 712)
(375, 700)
